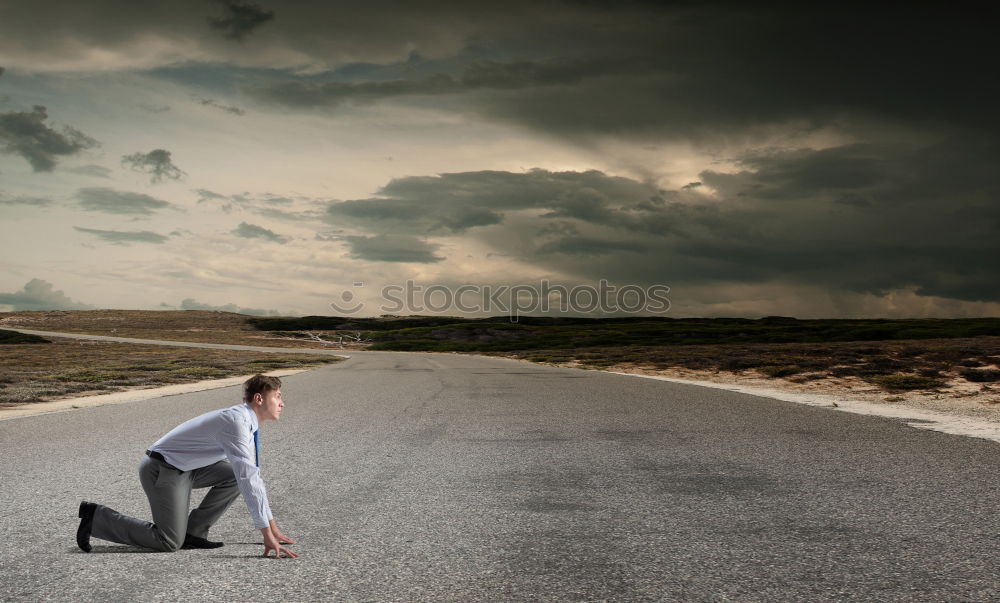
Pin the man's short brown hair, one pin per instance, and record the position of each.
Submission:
(259, 384)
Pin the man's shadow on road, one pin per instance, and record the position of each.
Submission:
(114, 549)
(122, 548)
(249, 556)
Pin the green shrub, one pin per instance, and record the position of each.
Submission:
(981, 375)
(780, 371)
(806, 377)
(498, 333)
(202, 372)
(904, 382)
(844, 371)
(739, 364)
(90, 376)
(15, 337)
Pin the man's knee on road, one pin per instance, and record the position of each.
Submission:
(168, 544)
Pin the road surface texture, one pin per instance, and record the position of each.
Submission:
(412, 477)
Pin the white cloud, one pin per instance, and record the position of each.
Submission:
(40, 295)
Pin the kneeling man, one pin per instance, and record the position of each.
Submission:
(218, 450)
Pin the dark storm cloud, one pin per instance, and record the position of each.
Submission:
(318, 36)
(27, 135)
(702, 72)
(110, 201)
(100, 34)
(157, 163)
(953, 170)
(864, 218)
(697, 71)
(573, 68)
(308, 94)
(402, 215)
(252, 231)
(723, 70)
(454, 203)
(118, 237)
(240, 19)
(480, 75)
(589, 246)
(40, 295)
(392, 248)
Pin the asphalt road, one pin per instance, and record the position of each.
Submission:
(448, 477)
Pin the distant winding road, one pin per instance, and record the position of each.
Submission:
(180, 344)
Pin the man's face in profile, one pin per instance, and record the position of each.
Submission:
(272, 405)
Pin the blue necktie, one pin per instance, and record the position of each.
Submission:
(256, 447)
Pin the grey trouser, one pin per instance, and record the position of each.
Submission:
(169, 494)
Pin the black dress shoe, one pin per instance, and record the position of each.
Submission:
(194, 542)
(86, 514)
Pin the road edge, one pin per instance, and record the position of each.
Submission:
(914, 417)
(931, 420)
(32, 409)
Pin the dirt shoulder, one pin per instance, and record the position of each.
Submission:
(128, 395)
(38, 372)
(954, 376)
(959, 398)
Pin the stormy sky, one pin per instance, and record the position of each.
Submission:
(756, 158)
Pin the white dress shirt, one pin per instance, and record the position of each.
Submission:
(215, 436)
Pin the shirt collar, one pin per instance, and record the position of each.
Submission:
(254, 426)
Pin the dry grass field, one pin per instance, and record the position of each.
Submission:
(891, 365)
(35, 372)
(180, 325)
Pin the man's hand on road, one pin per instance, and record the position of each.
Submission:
(282, 539)
(271, 544)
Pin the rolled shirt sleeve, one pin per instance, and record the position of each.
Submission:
(236, 439)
